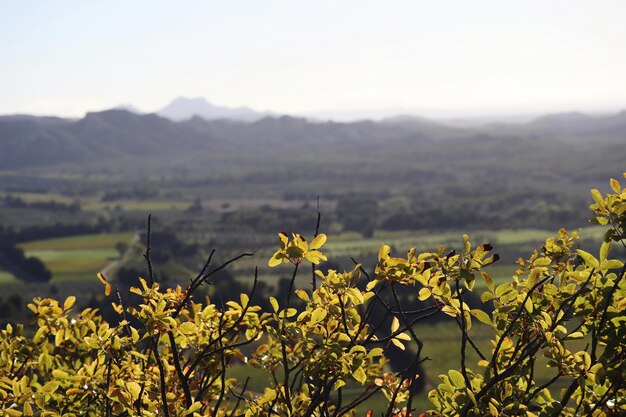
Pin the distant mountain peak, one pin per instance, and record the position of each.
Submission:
(183, 108)
(128, 107)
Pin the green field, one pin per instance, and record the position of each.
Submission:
(76, 257)
(40, 197)
(94, 241)
(7, 278)
(137, 205)
(93, 203)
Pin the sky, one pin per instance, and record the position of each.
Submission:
(445, 57)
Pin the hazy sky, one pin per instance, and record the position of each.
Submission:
(471, 56)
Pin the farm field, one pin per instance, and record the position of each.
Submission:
(39, 197)
(137, 205)
(7, 278)
(76, 257)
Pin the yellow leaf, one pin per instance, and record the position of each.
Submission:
(398, 344)
(69, 302)
(275, 260)
(244, 299)
(481, 316)
(194, 407)
(597, 196)
(318, 315)
(589, 259)
(493, 411)
(102, 279)
(359, 375)
(395, 324)
(274, 304)
(528, 305)
(118, 308)
(283, 240)
(340, 383)
(58, 338)
(302, 295)
(318, 241)
(424, 294)
(315, 256)
(615, 186)
(604, 250)
(134, 389)
(383, 253)
(107, 289)
(370, 285)
(457, 378)
(403, 336)
(188, 328)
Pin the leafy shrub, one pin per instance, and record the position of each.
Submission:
(172, 355)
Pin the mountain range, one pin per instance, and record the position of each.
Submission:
(29, 141)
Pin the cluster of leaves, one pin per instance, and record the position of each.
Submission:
(558, 295)
(169, 355)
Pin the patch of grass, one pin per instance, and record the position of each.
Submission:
(71, 255)
(259, 379)
(40, 197)
(76, 257)
(74, 263)
(7, 278)
(135, 205)
(92, 241)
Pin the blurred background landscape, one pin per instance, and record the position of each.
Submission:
(407, 125)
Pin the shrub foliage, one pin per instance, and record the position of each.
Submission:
(171, 355)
